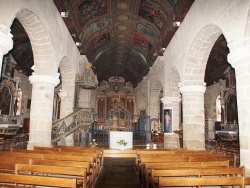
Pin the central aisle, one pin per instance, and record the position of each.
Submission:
(117, 173)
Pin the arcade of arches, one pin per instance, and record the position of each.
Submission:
(201, 79)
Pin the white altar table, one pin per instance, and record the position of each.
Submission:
(118, 135)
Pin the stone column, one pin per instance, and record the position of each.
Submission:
(193, 117)
(41, 110)
(172, 140)
(66, 109)
(239, 58)
(6, 42)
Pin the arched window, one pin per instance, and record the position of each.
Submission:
(218, 108)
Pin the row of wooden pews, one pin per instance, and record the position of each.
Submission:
(47, 166)
(185, 168)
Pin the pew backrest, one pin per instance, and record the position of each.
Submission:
(37, 180)
(55, 171)
(200, 181)
(22, 154)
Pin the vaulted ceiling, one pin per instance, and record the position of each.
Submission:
(121, 37)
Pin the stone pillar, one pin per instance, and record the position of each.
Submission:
(210, 128)
(172, 140)
(239, 58)
(66, 108)
(193, 117)
(6, 42)
(41, 110)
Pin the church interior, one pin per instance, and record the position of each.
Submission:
(156, 80)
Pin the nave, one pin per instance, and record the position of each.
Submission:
(72, 166)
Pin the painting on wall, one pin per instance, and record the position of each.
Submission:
(5, 101)
(168, 120)
(231, 107)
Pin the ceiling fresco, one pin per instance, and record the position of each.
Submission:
(121, 37)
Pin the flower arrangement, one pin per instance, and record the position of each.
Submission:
(121, 142)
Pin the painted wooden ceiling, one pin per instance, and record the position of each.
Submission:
(121, 37)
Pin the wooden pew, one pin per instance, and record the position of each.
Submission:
(54, 171)
(246, 180)
(173, 151)
(37, 180)
(14, 160)
(87, 158)
(46, 148)
(198, 172)
(168, 154)
(7, 167)
(195, 157)
(158, 159)
(232, 159)
(22, 154)
(31, 151)
(79, 149)
(78, 164)
(120, 154)
(82, 150)
(96, 155)
(200, 181)
(179, 165)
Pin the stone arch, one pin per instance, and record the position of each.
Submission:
(40, 42)
(198, 55)
(67, 85)
(172, 81)
(66, 70)
(172, 95)
(155, 89)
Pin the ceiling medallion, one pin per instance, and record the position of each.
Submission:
(122, 6)
(121, 27)
(122, 18)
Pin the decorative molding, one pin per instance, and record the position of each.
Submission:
(44, 79)
(192, 89)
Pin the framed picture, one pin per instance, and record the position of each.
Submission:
(168, 120)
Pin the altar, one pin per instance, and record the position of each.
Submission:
(115, 136)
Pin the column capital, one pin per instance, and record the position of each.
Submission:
(192, 89)
(44, 79)
(170, 100)
(6, 39)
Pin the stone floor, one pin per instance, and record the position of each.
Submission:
(117, 173)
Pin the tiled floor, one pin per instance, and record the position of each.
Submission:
(117, 173)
